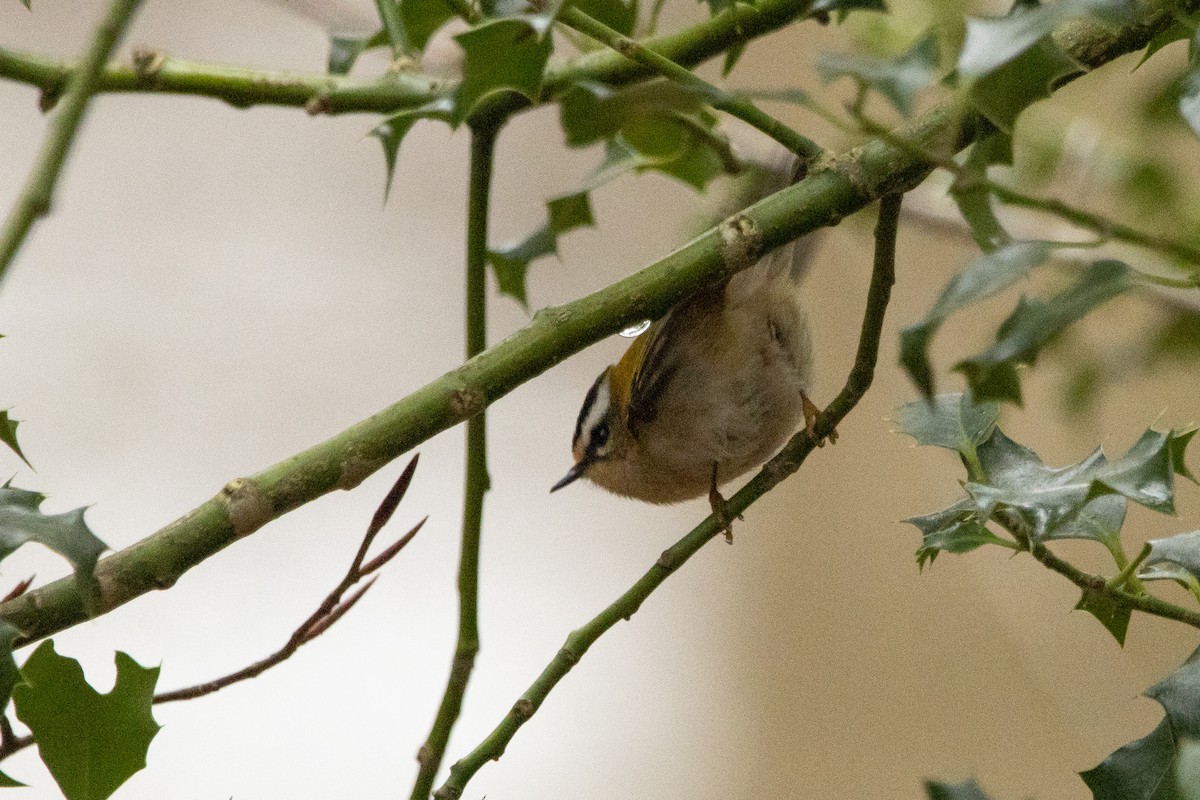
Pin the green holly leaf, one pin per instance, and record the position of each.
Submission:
(66, 534)
(592, 112)
(1003, 93)
(91, 742)
(1181, 551)
(9, 674)
(967, 790)
(953, 421)
(732, 56)
(986, 276)
(620, 16)
(391, 133)
(501, 55)
(974, 197)
(1179, 29)
(1111, 611)
(1178, 446)
(8, 435)
(992, 42)
(898, 79)
(511, 263)
(822, 8)
(422, 17)
(957, 529)
(992, 374)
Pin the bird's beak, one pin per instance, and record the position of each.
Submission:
(572, 475)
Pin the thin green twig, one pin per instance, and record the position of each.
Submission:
(483, 148)
(393, 28)
(739, 107)
(38, 194)
(775, 471)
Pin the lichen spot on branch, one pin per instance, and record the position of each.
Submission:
(741, 243)
(246, 506)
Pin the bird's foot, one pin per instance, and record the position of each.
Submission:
(720, 508)
(810, 421)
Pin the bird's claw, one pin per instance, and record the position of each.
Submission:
(810, 422)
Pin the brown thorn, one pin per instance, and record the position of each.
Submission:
(390, 553)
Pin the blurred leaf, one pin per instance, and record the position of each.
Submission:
(953, 421)
(1178, 30)
(995, 41)
(391, 132)
(591, 112)
(1189, 100)
(967, 790)
(66, 534)
(422, 17)
(732, 56)
(1176, 339)
(615, 14)
(8, 435)
(91, 742)
(986, 276)
(898, 79)
(9, 674)
(1178, 447)
(511, 264)
(1004, 92)
(1187, 769)
(973, 196)
(1112, 613)
(498, 56)
(992, 374)
(343, 52)
(844, 7)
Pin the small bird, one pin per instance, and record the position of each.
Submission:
(707, 392)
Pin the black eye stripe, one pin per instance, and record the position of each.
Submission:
(588, 402)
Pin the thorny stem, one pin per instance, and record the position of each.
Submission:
(37, 196)
(483, 146)
(772, 473)
(739, 107)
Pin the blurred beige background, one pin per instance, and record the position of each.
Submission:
(218, 289)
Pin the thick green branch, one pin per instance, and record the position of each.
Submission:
(837, 187)
(778, 468)
(483, 148)
(36, 198)
(739, 107)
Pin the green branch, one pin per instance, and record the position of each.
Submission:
(36, 198)
(739, 107)
(837, 187)
(393, 28)
(774, 472)
(483, 149)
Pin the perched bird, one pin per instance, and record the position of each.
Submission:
(707, 392)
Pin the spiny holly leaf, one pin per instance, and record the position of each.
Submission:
(344, 51)
(987, 275)
(591, 112)
(967, 790)
(1145, 769)
(1181, 550)
(1179, 442)
(973, 196)
(1110, 610)
(565, 213)
(994, 41)
(391, 132)
(1179, 29)
(1003, 93)
(91, 742)
(421, 18)
(66, 534)
(898, 79)
(992, 374)
(953, 421)
(498, 56)
(955, 530)
(8, 435)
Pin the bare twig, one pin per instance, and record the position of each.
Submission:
(775, 470)
(332, 608)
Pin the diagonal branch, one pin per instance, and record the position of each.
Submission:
(837, 187)
(775, 471)
(38, 194)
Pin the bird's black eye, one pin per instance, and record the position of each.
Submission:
(600, 435)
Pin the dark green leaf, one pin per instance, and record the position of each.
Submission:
(1110, 610)
(992, 374)
(422, 17)
(955, 530)
(952, 421)
(391, 133)
(616, 14)
(1140, 770)
(987, 275)
(974, 197)
(343, 52)
(8, 435)
(66, 534)
(897, 79)
(511, 263)
(1003, 93)
(9, 674)
(995, 41)
(1183, 550)
(1144, 474)
(91, 742)
(1178, 446)
(968, 790)
(844, 7)
(592, 112)
(732, 56)
(499, 56)
(1178, 30)
(9, 783)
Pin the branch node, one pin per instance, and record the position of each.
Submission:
(467, 402)
(247, 507)
(318, 104)
(356, 468)
(148, 63)
(568, 655)
(523, 709)
(741, 242)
